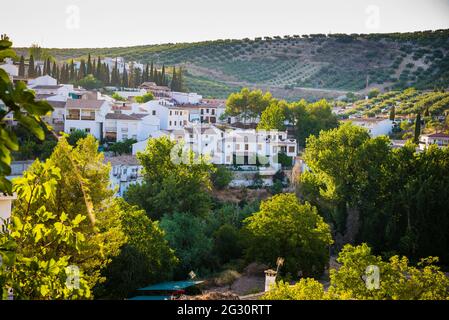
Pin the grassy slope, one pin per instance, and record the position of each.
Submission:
(288, 66)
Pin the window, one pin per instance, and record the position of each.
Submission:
(259, 146)
(291, 149)
(170, 112)
(175, 123)
(213, 111)
(207, 110)
(202, 111)
(87, 115)
(74, 114)
(72, 129)
(87, 130)
(246, 147)
(153, 112)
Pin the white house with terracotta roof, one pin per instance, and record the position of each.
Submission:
(439, 139)
(87, 115)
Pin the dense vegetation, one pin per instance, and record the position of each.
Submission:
(333, 61)
(354, 179)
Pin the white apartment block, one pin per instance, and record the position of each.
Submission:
(239, 147)
(87, 115)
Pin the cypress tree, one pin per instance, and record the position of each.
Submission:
(48, 66)
(39, 71)
(417, 128)
(125, 78)
(98, 73)
(163, 83)
(89, 65)
(146, 74)
(180, 79)
(82, 71)
(174, 81)
(31, 70)
(392, 113)
(54, 70)
(22, 67)
(72, 73)
(152, 77)
(106, 80)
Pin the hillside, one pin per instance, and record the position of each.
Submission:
(299, 66)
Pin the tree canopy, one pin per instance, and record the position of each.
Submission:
(283, 227)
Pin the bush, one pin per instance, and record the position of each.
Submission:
(227, 244)
(221, 177)
(76, 135)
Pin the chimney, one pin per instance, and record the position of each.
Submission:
(270, 278)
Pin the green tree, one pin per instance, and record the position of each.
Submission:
(118, 97)
(145, 98)
(284, 227)
(247, 104)
(174, 180)
(392, 113)
(89, 82)
(145, 258)
(75, 136)
(310, 118)
(122, 147)
(221, 177)
(20, 103)
(417, 128)
(272, 118)
(373, 93)
(22, 67)
(40, 243)
(186, 234)
(31, 68)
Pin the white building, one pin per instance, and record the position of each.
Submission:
(375, 126)
(439, 139)
(138, 126)
(85, 114)
(177, 118)
(10, 68)
(186, 97)
(42, 81)
(233, 147)
(125, 171)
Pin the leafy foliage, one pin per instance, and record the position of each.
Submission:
(398, 280)
(284, 227)
(173, 181)
(145, 258)
(19, 103)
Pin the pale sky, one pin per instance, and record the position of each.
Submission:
(111, 23)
